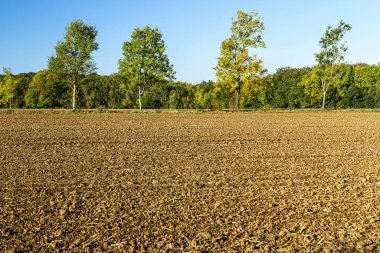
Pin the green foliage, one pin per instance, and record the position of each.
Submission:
(341, 84)
(311, 83)
(236, 67)
(204, 97)
(182, 96)
(254, 93)
(100, 91)
(152, 99)
(353, 86)
(285, 91)
(94, 91)
(7, 88)
(341, 80)
(145, 62)
(156, 97)
(73, 55)
(366, 89)
(13, 89)
(115, 94)
(44, 91)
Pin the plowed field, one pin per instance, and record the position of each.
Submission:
(212, 182)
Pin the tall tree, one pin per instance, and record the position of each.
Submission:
(73, 55)
(235, 65)
(145, 61)
(332, 52)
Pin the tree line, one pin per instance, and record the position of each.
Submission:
(146, 78)
(287, 88)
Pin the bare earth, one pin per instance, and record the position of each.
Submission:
(211, 182)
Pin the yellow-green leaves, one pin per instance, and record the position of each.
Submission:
(7, 88)
(43, 90)
(236, 67)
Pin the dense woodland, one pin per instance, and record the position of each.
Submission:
(146, 78)
(287, 88)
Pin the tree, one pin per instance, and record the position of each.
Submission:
(145, 61)
(340, 83)
(204, 95)
(235, 66)
(115, 92)
(284, 90)
(93, 91)
(7, 88)
(43, 91)
(73, 55)
(21, 84)
(311, 83)
(366, 89)
(182, 96)
(332, 52)
(254, 93)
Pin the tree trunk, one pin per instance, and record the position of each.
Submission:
(237, 100)
(140, 99)
(74, 96)
(324, 100)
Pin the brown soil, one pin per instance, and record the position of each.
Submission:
(213, 182)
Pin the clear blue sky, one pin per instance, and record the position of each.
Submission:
(193, 30)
